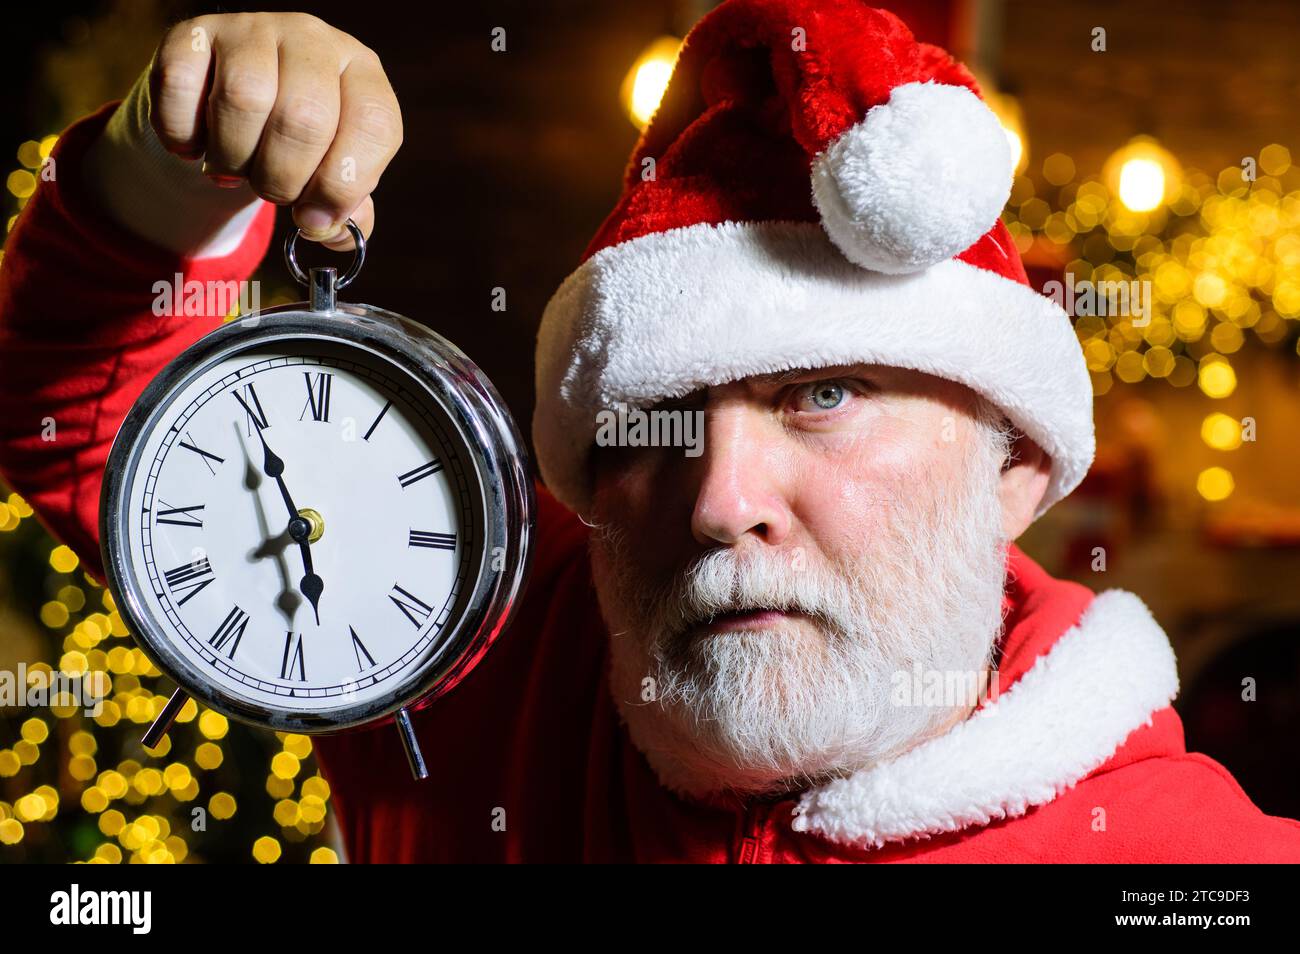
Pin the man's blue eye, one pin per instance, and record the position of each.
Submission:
(828, 395)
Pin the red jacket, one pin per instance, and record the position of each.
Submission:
(1078, 758)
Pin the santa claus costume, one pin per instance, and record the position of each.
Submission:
(816, 189)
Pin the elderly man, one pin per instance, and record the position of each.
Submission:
(807, 637)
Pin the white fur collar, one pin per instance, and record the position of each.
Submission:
(1061, 720)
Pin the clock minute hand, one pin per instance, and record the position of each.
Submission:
(311, 585)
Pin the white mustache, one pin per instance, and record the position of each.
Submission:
(725, 581)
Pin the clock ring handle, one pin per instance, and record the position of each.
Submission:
(291, 258)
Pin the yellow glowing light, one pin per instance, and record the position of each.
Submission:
(35, 731)
(1210, 289)
(111, 854)
(208, 756)
(266, 850)
(647, 80)
(1058, 169)
(286, 812)
(73, 597)
(63, 559)
(21, 183)
(113, 784)
(30, 807)
(284, 765)
(1017, 149)
(297, 745)
(1217, 379)
(222, 805)
(178, 848)
(177, 776)
(73, 663)
(213, 725)
(1215, 483)
(1007, 109)
(324, 856)
(11, 831)
(10, 763)
(1275, 159)
(1221, 432)
(1141, 184)
(313, 809)
(317, 787)
(1143, 174)
(148, 782)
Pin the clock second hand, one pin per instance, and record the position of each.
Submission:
(311, 585)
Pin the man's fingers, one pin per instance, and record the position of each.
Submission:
(364, 216)
(178, 84)
(303, 122)
(369, 134)
(244, 88)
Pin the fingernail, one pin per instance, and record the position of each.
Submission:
(315, 221)
(221, 179)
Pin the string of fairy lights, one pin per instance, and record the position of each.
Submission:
(68, 762)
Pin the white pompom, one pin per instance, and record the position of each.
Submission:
(917, 181)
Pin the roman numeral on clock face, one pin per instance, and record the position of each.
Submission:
(179, 516)
(319, 384)
(206, 456)
(293, 666)
(412, 607)
(421, 472)
(190, 579)
(230, 631)
(433, 541)
(360, 651)
(252, 408)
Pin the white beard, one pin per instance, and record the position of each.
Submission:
(763, 711)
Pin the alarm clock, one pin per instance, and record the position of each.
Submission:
(317, 516)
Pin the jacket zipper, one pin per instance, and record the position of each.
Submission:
(755, 819)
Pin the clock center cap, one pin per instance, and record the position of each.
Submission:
(309, 525)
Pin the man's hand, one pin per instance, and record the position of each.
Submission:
(301, 110)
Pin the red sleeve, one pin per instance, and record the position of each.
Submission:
(79, 339)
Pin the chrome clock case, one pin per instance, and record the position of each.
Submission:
(472, 414)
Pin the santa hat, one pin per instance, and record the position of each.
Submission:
(817, 188)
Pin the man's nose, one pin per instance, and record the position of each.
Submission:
(739, 492)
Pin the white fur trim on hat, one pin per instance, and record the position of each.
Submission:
(665, 314)
(917, 181)
(1063, 719)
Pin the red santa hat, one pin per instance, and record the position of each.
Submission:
(817, 188)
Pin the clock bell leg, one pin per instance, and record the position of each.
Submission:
(155, 732)
(409, 742)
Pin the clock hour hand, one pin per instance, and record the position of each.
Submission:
(311, 585)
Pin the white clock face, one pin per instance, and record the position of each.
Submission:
(346, 603)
